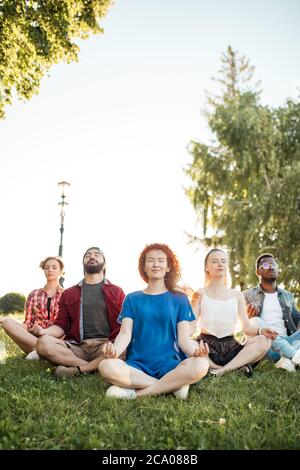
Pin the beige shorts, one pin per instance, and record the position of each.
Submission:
(89, 349)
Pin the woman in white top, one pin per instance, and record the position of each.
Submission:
(218, 309)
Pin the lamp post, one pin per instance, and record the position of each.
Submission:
(62, 203)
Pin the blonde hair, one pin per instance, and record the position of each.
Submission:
(206, 274)
(57, 258)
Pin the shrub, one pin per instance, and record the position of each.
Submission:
(12, 302)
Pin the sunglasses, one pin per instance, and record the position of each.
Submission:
(268, 265)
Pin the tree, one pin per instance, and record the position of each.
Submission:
(245, 184)
(34, 35)
(12, 302)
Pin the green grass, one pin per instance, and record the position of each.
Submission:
(37, 412)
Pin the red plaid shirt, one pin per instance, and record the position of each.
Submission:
(36, 308)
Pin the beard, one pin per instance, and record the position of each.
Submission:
(93, 268)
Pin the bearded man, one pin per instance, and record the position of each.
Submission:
(87, 317)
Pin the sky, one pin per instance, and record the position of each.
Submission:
(117, 124)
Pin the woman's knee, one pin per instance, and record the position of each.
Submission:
(106, 368)
(198, 368)
(8, 324)
(263, 343)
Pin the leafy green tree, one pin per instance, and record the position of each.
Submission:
(34, 35)
(12, 302)
(245, 186)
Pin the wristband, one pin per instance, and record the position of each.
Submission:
(259, 331)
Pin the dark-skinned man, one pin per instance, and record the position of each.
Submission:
(268, 305)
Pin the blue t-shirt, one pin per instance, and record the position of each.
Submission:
(153, 347)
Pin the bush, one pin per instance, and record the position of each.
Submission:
(12, 302)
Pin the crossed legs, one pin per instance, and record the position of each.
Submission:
(57, 352)
(254, 350)
(189, 371)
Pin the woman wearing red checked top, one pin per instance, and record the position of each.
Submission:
(41, 308)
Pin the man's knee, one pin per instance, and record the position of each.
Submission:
(44, 345)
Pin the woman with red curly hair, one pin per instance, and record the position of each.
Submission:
(155, 325)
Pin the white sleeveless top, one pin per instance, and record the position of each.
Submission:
(218, 317)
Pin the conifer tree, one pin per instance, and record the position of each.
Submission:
(245, 185)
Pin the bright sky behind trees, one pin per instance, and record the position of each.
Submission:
(117, 125)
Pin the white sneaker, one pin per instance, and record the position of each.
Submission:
(121, 392)
(182, 393)
(33, 356)
(285, 363)
(296, 358)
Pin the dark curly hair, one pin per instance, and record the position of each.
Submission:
(172, 277)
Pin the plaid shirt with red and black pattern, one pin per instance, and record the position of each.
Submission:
(36, 308)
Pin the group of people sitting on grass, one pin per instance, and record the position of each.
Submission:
(155, 341)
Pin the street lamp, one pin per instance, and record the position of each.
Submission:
(63, 203)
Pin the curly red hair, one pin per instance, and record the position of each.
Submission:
(172, 277)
